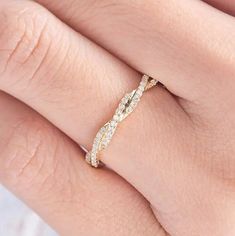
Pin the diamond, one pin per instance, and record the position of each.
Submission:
(95, 163)
(121, 107)
(116, 118)
(125, 99)
(88, 157)
(113, 123)
(139, 93)
(126, 106)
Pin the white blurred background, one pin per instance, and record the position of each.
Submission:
(16, 219)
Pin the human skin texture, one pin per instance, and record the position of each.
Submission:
(170, 168)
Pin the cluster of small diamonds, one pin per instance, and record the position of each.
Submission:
(101, 141)
(130, 101)
(105, 134)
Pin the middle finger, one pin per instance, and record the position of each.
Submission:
(188, 44)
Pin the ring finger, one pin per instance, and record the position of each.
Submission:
(77, 85)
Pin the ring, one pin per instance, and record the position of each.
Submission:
(125, 108)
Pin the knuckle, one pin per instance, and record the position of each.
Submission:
(29, 154)
(24, 40)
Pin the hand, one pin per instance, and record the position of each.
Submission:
(177, 148)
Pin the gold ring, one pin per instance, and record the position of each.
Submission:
(125, 108)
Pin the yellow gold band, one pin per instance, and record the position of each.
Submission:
(125, 108)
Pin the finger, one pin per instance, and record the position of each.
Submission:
(80, 93)
(166, 176)
(46, 169)
(224, 5)
(190, 55)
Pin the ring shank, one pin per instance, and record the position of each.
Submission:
(125, 108)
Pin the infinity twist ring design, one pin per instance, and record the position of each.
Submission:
(125, 108)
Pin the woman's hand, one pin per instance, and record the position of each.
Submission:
(47, 64)
(177, 148)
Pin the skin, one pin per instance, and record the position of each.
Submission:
(170, 164)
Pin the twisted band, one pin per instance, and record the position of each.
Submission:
(125, 108)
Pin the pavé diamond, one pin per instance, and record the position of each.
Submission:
(126, 106)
